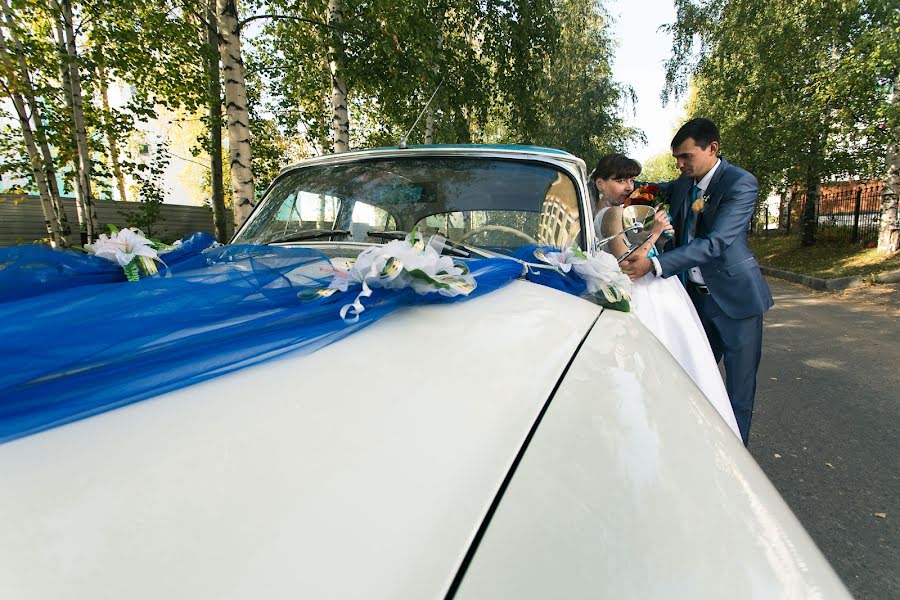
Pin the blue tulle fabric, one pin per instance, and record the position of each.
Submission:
(34, 269)
(78, 340)
(544, 274)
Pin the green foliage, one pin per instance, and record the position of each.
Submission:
(581, 103)
(151, 194)
(660, 167)
(513, 71)
(149, 47)
(800, 89)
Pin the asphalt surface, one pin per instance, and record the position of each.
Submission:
(826, 425)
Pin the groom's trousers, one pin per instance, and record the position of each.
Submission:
(739, 342)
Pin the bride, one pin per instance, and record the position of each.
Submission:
(662, 304)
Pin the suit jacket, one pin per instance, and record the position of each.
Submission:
(719, 246)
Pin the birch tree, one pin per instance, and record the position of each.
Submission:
(237, 112)
(889, 230)
(75, 52)
(340, 122)
(65, 31)
(18, 77)
(11, 81)
(214, 104)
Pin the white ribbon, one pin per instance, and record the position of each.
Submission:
(402, 264)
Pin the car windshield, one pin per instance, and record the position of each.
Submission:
(496, 204)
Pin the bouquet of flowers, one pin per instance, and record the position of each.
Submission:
(135, 253)
(652, 195)
(649, 194)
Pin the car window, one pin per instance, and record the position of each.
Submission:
(494, 203)
(366, 218)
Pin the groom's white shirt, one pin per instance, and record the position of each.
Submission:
(694, 272)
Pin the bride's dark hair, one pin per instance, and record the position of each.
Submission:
(616, 166)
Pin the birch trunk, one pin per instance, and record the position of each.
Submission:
(57, 214)
(67, 96)
(59, 211)
(340, 120)
(217, 202)
(237, 112)
(53, 229)
(83, 163)
(111, 137)
(429, 127)
(467, 116)
(889, 230)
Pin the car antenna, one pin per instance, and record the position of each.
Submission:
(402, 144)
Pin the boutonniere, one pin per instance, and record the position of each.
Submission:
(699, 205)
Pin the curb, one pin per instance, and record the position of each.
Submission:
(841, 283)
(888, 277)
(817, 283)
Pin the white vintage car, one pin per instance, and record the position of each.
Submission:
(523, 444)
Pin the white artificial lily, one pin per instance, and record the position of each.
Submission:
(123, 246)
(400, 264)
(600, 271)
(560, 260)
(127, 247)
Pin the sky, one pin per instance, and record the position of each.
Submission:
(640, 55)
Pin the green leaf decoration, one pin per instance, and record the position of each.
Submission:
(420, 274)
(622, 305)
(131, 271)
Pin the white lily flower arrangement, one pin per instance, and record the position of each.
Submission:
(600, 271)
(410, 263)
(130, 249)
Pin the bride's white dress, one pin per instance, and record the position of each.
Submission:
(664, 307)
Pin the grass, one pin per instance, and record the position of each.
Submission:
(825, 259)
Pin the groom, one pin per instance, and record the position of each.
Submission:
(711, 205)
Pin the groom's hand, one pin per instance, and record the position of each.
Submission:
(636, 265)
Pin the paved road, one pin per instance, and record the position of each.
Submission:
(826, 426)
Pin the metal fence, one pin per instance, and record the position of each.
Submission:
(848, 212)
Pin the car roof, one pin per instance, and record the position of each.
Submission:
(497, 150)
(517, 147)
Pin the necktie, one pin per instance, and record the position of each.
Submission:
(686, 235)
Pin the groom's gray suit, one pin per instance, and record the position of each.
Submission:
(735, 295)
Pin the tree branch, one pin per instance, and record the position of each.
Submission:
(302, 20)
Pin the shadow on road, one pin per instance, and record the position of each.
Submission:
(826, 426)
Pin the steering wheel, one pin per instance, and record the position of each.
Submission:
(502, 228)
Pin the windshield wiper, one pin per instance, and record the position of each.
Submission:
(451, 247)
(309, 234)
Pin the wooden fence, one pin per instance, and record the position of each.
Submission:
(22, 221)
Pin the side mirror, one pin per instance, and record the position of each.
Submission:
(637, 221)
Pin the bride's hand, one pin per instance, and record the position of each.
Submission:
(662, 224)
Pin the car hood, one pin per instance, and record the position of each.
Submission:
(361, 470)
